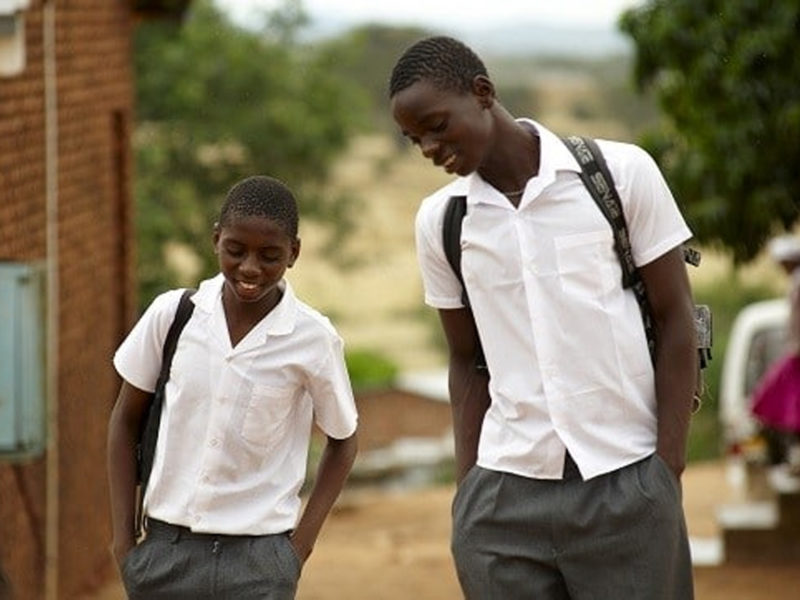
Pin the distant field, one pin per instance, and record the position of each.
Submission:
(377, 303)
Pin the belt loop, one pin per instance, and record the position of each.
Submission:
(176, 534)
(571, 470)
(145, 526)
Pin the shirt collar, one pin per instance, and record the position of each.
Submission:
(554, 156)
(280, 320)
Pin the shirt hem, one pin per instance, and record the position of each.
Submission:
(597, 472)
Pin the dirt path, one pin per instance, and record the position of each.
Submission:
(394, 546)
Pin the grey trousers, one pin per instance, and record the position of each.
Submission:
(619, 536)
(172, 563)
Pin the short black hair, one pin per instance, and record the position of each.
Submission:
(442, 60)
(261, 196)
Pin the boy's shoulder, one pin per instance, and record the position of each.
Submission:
(165, 305)
(431, 209)
(625, 156)
(457, 187)
(313, 321)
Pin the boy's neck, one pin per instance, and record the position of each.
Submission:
(515, 158)
(241, 317)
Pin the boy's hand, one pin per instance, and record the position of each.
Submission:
(120, 550)
(303, 551)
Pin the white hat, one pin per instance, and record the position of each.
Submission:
(785, 248)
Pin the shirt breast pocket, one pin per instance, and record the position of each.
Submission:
(268, 414)
(584, 263)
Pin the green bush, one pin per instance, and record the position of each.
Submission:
(369, 369)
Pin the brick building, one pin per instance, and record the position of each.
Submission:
(66, 105)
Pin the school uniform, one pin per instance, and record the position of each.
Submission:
(573, 410)
(233, 441)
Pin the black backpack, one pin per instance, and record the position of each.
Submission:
(600, 184)
(148, 434)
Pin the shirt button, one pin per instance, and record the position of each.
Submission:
(214, 442)
(198, 518)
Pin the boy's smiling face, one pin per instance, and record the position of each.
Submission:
(452, 128)
(254, 253)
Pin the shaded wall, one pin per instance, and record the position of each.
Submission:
(94, 112)
(386, 415)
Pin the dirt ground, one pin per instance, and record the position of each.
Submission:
(382, 545)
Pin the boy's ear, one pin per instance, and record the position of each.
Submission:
(215, 236)
(295, 252)
(483, 88)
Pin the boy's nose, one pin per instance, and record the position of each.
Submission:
(249, 264)
(429, 147)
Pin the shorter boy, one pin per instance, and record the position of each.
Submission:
(252, 368)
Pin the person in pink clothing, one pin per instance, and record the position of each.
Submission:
(776, 399)
(786, 251)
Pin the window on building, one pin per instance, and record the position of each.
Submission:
(22, 360)
(12, 36)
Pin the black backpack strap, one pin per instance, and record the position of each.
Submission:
(148, 437)
(451, 238)
(600, 184)
(598, 180)
(454, 214)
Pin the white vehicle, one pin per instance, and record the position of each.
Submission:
(757, 339)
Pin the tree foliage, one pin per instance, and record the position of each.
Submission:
(216, 103)
(365, 56)
(726, 75)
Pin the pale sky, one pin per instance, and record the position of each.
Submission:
(468, 14)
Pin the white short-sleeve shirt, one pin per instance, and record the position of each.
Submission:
(236, 424)
(564, 342)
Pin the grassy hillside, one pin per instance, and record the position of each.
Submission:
(375, 297)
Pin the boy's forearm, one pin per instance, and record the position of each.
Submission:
(334, 468)
(121, 465)
(676, 380)
(669, 295)
(469, 400)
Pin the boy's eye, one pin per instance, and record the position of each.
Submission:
(439, 126)
(234, 250)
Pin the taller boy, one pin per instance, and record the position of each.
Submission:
(569, 457)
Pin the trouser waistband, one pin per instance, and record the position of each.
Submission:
(164, 530)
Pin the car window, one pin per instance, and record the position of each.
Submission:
(768, 345)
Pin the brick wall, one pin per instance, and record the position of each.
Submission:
(386, 415)
(94, 89)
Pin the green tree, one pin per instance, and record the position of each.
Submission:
(726, 76)
(215, 103)
(364, 56)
